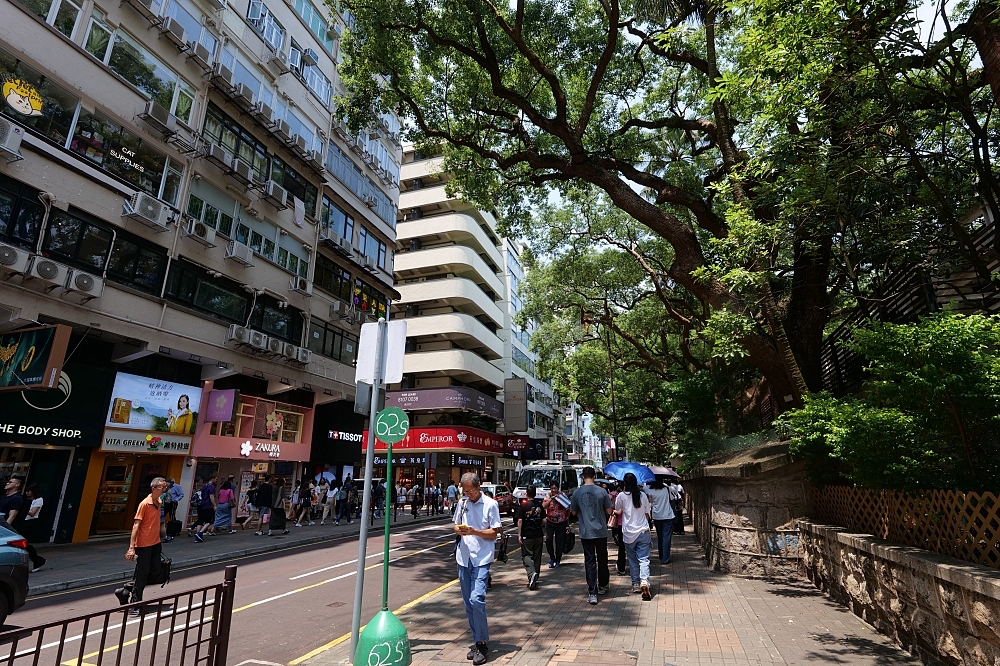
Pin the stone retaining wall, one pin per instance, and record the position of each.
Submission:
(942, 609)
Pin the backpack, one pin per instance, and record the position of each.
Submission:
(196, 498)
(342, 495)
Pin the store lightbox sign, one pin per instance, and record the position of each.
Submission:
(125, 441)
(32, 358)
(153, 405)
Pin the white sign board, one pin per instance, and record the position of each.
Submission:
(395, 348)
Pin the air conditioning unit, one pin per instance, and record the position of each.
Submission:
(309, 57)
(13, 260)
(290, 351)
(296, 142)
(243, 94)
(239, 334)
(222, 77)
(258, 340)
(217, 4)
(280, 61)
(84, 284)
(158, 117)
(338, 310)
(276, 194)
(304, 355)
(301, 285)
(283, 131)
(241, 171)
(48, 271)
(341, 130)
(148, 210)
(201, 232)
(345, 246)
(333, 30)
(172, 29)
(275, 346)
(219, 155)
(263, 113)
(240, 253)
(315, 160)
(370, 201)
(370, 264)
(200, 54)
(10, 137)
(144, 7)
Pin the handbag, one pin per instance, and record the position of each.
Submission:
(232, 500)
(569, 542)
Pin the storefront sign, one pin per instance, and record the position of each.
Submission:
(345, 436)
(154, 405)
(507, 463)
(222, 405)
(515, 404)
(455, 397)
(516, 443)
(461, 460)
(448, 437)
(258, 449)
(401, 460)
(21, 96)
(25, 430)
(143, 442)
(32, 358)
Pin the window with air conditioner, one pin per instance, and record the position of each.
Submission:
(20, 213)
(210, 207)
(318, 84)
(126, 155)
(313, 18)
(58, 104)
(334, 221)
(222, 130)
(260, 17)
(372, 247)
(347, 172)
(294, 183)
(193, 22)
(138, 67)
(333, 279)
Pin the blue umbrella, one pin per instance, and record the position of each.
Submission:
(618, 470)
(325, 475)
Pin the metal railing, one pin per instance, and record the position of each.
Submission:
(191, 627)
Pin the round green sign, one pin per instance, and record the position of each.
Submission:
(391, 425)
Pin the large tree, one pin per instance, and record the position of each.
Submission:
(789, 155)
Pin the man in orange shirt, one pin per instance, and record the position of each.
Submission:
(144, 544)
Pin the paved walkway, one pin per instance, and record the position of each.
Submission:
(696, 617)
(76, 565)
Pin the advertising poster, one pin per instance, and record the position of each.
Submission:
(32, 358)
(241, 508)
(141, 403)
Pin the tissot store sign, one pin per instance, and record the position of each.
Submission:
(449, 438)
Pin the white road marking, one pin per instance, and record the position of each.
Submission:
(342, 564)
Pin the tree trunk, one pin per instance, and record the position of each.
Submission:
(985, 28)
(809, 306)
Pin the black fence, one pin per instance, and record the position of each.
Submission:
(190, 627)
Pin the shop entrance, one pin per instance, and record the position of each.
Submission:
(125, 482)
(44, 467)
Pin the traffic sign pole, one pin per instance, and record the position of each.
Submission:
(359, 583)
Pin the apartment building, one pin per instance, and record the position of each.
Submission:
(175, 194)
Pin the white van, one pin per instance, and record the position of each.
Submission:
(541, 474)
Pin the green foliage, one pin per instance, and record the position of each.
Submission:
(928, 416)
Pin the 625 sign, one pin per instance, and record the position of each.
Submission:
(391, 425)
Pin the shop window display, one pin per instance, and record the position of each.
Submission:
(33, 100)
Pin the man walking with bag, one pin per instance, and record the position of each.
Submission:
(144, 543)
(593, 506)
(477, 523)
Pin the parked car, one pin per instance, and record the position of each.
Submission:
(13, 571)
(502, 495)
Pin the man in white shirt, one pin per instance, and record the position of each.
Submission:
(477, 523)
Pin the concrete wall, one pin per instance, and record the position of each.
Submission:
(746, 523)
(942, 609)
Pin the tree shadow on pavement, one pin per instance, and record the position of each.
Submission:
(848, 650)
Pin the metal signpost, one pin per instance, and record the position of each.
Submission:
(384, 641)
(380, 359)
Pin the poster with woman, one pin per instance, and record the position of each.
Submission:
(141, 403)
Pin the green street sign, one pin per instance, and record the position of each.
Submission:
(391, 425)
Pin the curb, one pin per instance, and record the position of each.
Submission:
(180, 565)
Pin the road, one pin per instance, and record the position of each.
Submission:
(290, 603)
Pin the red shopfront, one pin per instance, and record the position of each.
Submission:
(264, 436)
(444, 453)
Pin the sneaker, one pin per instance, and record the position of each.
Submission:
(533, 581)
(592, 599)
(337, 523)
(270, 533)
(232, 531)
(473, 651)
(134, 612)
(259, 533)
(602, 589)
(552, 564)
(198, 537)
(322, 522)
(558, 565)
(312, 522)
(285, 532)
(644, 587)
(350, 522)
(298, 524)
(481, 652)
(636, 589)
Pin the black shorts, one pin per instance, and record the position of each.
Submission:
(206, 516)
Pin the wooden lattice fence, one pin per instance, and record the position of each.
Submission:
(965, 526)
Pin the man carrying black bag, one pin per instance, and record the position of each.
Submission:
(144, 544)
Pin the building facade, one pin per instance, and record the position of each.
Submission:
(176, 192)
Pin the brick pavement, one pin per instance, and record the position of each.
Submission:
(697, 617)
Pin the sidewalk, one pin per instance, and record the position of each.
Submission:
(696, 617)
(76, 565)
